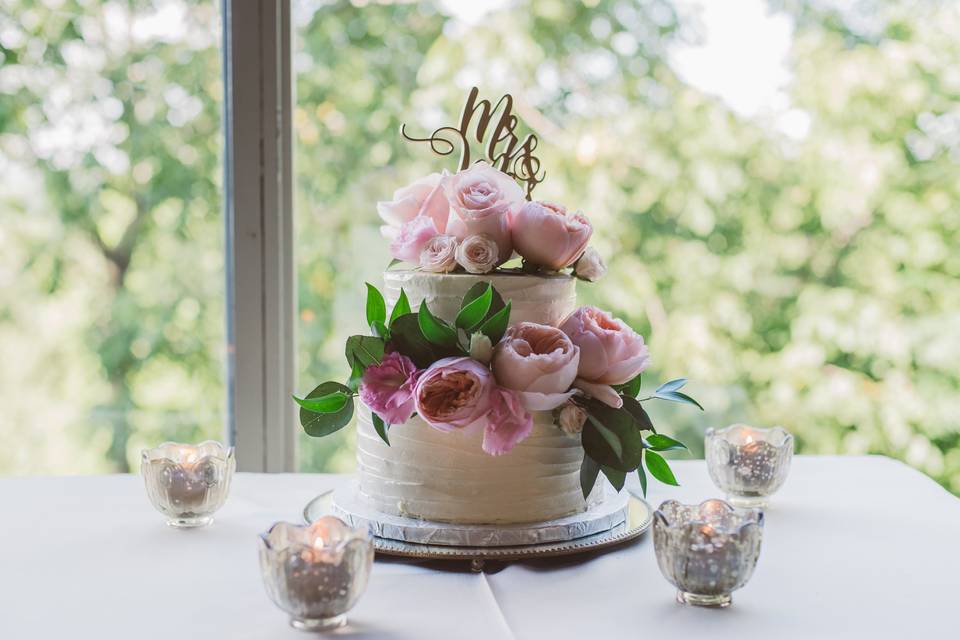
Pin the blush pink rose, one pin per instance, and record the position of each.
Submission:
(538, 361)
(482, 200)
(412, 238)
(454, 394)
(508, 422)
(478, 254)
(425, 197)
(610, 352)
(439, 255)
(387, 388)
(545, 234)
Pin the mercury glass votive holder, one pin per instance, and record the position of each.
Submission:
(188, 483)
(706, 551)
(316, 573)
(747, 463)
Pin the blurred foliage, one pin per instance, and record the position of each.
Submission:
(811, 281)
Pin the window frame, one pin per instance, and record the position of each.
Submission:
(258, 213)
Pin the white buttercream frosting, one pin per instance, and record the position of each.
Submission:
(447, 477)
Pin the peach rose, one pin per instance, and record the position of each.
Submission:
(610, 352)
(590, 266)
(483, 199)
(454, 394)
(545, 234)
(538, 361)
(425, 197)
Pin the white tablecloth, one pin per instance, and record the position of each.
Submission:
(853, 547)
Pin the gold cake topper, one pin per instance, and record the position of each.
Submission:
(503, 147)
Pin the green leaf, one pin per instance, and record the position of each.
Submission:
(401, 308)
(406, 337)
(477, 290)
(330, 403)
(393, 263)
(643, 480)
(631, 388)
(676, 396)
(660, 442)
(611, 437)
(435, 330)
(616, 477)
(589, 470)
(496, 325)
(364, 350)
(376, 306)
(356, 377)
(632, 405)
(473, 312)
(672, 385)
(380, 427)
(659, 469)
(323, 424)
(380, 330)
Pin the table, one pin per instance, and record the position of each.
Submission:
(858, 547)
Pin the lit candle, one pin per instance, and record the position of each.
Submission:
(749, 464)
(186, 482)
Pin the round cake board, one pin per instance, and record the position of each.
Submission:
(637, 516)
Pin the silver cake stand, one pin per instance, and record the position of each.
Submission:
(617, 519)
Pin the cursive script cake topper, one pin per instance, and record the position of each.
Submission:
(504, 148)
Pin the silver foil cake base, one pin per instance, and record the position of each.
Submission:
(637, 518)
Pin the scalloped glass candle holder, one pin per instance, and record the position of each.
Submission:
(706, 551)
(315, 573)
(188, 483)
(748, 464)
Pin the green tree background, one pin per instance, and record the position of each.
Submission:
(809, 281)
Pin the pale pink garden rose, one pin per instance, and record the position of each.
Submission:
(590, 266)
(482, 199)
(454, 394)
(610, 352)
(412, 238)
(425, 197)
(538, 361)
(571, 418)
(478, 254)
(545, 234)
(439, 255)
(387, 388)
(508, 422)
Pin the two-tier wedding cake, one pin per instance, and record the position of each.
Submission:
(486, 395)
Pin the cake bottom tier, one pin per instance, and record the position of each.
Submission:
(446, 477)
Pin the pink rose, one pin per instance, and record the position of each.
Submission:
(538, 361)
(387, 388)
(545, 234)
(412, 238)
(483, 199)
(478, 254)
(425, 197)
(507, 423)
(454, 393)
(610, 352)
(439, 255)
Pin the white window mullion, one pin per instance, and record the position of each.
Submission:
(261, 293)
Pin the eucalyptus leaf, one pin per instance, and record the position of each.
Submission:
(376, 306)
(323, 424)
(401, 308)
(676, 396)
(672, 385)
(632, 405)
(616, 477)
(589, 470)
(659, 468)
(474, 312)
(434, 329)
(380, 427)
(496, 325)
(660, 442)
(330, 403)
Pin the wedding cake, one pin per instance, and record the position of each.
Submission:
(483, 394)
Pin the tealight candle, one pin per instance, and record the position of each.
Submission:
(188, 483)
(706, 551)
(315, 573)
(749, 464)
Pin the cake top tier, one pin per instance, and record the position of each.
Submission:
(477, 221)
(544, 299)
